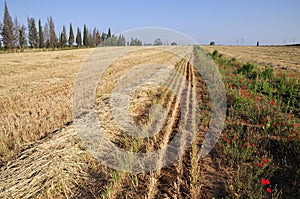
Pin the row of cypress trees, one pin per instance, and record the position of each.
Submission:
(15, 35)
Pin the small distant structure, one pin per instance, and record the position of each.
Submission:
(173, 43)
(212, 43)
(257, 43)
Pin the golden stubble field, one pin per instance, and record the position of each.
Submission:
(273, 56)
(35, 90)
(41, 155)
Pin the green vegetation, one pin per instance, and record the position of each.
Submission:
(260, 141)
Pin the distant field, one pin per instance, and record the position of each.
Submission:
(277, 57)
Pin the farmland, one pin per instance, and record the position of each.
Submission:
(280, 57)
(41, 154)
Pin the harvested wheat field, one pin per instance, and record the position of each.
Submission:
(42, 155)
(281, 57)
(46, 152)
(36, 89)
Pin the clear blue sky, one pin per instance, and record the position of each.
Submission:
(223, 21)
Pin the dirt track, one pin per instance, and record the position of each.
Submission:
(59, 165)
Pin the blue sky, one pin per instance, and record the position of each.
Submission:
(223, 21)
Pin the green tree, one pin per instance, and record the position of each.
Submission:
(109, 33)
(63, 38)
(7, 29)
(121, 40)
(0, 35)
(16, 32)
(91, 41)
(78, 38)
(22, 37)
(52, 34)
(71, 36)
(41, 35)
(46, 35)
(103, 39)
(94, 36)
(32, 33)
(85, 36)
(98, 38)
(158, 42)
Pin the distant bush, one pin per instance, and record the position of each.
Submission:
(253, 75)
(215, 53)
(246, 69)
(267, 73)
(212, 43)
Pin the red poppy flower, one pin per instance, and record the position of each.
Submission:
(272, 102)
(267, 181)
(246, 144)
(253, 145)
(265, 160)
(228, 141)
(269, 190)
(259, 164)
(263, 181)
(224, 138)
(265, 120)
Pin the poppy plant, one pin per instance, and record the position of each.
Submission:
(265, 160)
(259, 164)
(263, 181)
(269, 190)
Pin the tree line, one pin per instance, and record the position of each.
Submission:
(15, 35)
(35, 35)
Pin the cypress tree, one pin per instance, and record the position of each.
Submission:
(78, 38)
(98, 38)
(16, 32)
(46, 35)
(85, 36)
(52, 34)
(41, 35)
(7, 29)
(64, 37)
(22, 37)
(71, 36)
(109, 33)
(32, 33)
